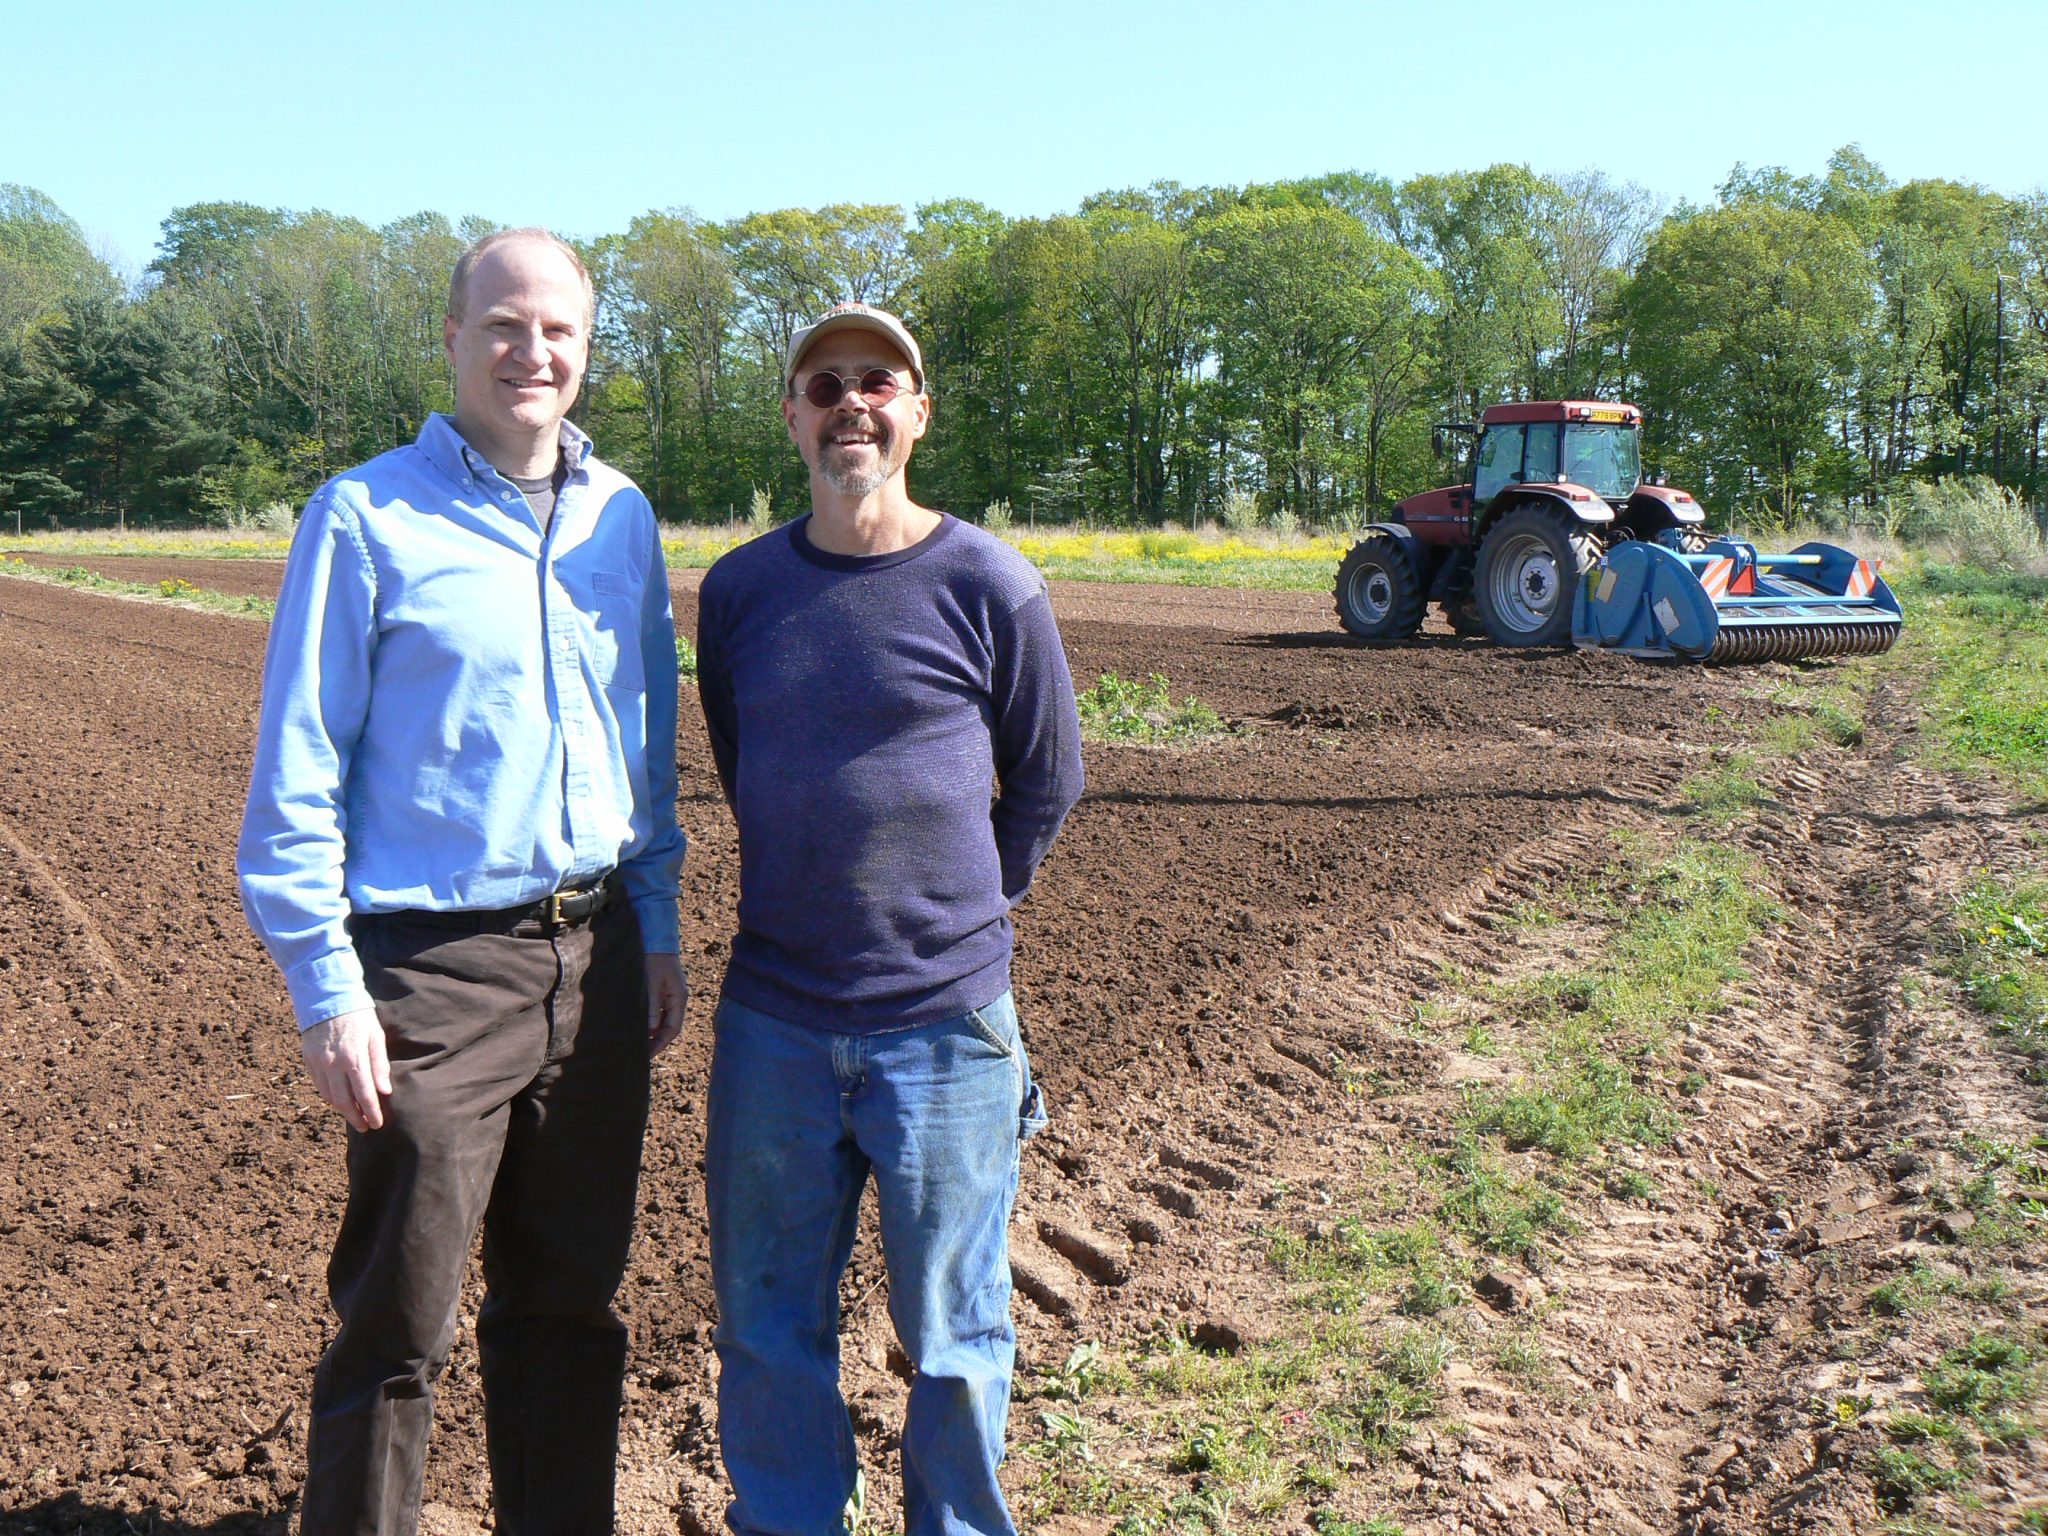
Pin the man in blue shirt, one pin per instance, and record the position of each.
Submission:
(893, 722)
(461, 849)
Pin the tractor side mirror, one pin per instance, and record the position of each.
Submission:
(1436, 441)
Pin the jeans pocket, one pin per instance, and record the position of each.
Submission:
(988, 1034)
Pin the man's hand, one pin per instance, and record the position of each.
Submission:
(349, 1067)
(668, 995)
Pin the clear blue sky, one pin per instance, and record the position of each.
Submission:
(123, 111)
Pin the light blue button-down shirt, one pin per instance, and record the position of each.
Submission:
(459, 711)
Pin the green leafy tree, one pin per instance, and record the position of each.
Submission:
(1323, 326)
(1744, 322)
(44, 260)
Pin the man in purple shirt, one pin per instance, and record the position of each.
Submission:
(893, 722)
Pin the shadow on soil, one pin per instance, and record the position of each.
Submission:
(1336, 640)
(68, 1514)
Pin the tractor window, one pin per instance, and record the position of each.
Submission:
(1606, 460)
(1500, 462)
(1540, 462)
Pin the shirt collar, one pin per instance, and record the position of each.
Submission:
(447, 451)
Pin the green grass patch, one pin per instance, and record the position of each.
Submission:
(1904, 1476)
(1725, 791)
(1575, 1107)
(197, 543)
(172, 590)
(1355, 1263)
(1327, 1524)
(1833, 716)
(1986, 1380)
(1672, 958)
(1923, 1288)
(1203, 558)
(2002, 928)
(2007, 1192)
(1978, 644)
(1127, 712)
(1497, 1211)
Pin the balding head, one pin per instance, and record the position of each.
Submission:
(465, 265)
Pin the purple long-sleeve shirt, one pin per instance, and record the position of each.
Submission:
(897, 739)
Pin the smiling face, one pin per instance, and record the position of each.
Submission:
(855, 447)
(519, 351)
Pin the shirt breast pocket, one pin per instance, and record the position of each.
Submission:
(614, 649)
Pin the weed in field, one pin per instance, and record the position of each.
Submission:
(1327, 1524)
(1984, 1378)
(1903, 1476)
(1085, 1369)
(1355, 1262)
(1518, 1354)
(177, 588)
(1067, 1437)
(1724, 792)
(2004, 1193)
(1923, 1288)
(686, 659)
(1573, 1110)
(1833, 715)
(1629, 1184)
(1905, 1428)
(1429, 1293)
(1976, 646)
(1528, 917)
(1501, 1214)
(1124, 711)
(2002, 927)
(1986, 524)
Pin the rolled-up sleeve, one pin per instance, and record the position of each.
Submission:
(316, 690)
(651, 872)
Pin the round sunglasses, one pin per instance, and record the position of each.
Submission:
(878, 386)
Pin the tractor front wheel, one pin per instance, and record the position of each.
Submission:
(1379, 596)
(1529, 570)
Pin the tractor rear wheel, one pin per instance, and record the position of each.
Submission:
(1379, 596)
(1529, 570)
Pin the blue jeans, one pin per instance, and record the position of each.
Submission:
(798, 1119)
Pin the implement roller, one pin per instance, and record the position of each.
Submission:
(1557, 537)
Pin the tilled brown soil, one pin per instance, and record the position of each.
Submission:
(1223, 941)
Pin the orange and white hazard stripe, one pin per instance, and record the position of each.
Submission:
(1716, 576)
(1863, 578)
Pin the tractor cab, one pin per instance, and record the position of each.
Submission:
(1572, 442)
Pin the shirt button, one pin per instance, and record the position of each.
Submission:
(507, 495)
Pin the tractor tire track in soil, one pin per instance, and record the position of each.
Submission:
(1224, 943)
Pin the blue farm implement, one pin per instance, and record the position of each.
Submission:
(1729, 603)
(1557, 538)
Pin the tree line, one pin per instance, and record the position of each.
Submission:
(1802, 345)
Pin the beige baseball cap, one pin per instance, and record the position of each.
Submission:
(852, 317)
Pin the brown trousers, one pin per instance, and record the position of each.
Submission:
(519, 1078)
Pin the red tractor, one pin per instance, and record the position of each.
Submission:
(1554, 483)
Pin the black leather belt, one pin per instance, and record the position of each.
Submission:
(560, 909)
